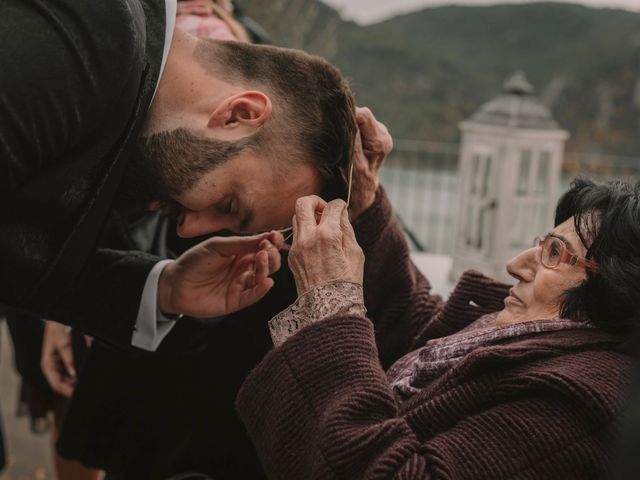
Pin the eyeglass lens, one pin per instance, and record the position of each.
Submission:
(552, 249)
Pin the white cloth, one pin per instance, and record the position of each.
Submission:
(151, 326)
(171, 8)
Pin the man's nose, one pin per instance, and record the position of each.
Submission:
(525, 265)
(195, 224)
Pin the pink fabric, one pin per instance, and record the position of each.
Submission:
(195, 17)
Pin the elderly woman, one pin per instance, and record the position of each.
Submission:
(497, 382)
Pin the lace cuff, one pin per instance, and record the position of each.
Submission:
(317, 304)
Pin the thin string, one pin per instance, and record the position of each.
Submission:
(349, 187)
(290, 229)
(285, 230)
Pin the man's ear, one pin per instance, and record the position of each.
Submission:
(247, 109)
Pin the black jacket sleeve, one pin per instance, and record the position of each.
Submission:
(76, 79)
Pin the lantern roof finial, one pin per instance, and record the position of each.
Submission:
(518, 84)
(515, 107)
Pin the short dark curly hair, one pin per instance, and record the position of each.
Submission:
(607, 220)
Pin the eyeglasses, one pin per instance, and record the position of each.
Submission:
(554, 252)
(290, 229)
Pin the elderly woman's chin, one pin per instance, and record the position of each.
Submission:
(505, 317)
(515, 311)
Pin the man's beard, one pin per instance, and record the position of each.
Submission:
(168, 163)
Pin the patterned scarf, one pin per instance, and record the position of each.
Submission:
(419, 368)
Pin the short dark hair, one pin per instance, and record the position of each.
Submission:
(313, 121)
(314, 113)
(607, 220)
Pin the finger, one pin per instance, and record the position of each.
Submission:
(306, 208)
(242, 264)
(274, 260)
(277, 239)
(66, 357)
(363, 115)
(375, 135)
(255, 294)
(294, 225)
(245, 291)
(53, 372)
(249, 271)
(358, 151)
(243, 281)
(332, 213)
(47, 365)
(261, 266)
(229, 246)
(65, 388)
(367, 122)
(386, 143)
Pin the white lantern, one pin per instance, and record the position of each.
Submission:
(509, 167)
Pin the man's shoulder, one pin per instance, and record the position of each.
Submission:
(72, 70)
(97, 43)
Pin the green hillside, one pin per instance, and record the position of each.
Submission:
(424, 72)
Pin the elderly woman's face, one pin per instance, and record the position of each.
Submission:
(540, 290)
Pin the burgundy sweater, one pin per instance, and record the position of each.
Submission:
(539, 406)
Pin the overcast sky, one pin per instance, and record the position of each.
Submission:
(370, 11)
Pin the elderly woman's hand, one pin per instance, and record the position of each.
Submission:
(372, 146)
(324, 245)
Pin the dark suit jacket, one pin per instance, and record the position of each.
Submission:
(160, 414)
(77, 78)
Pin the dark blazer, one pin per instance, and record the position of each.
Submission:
(77, 79)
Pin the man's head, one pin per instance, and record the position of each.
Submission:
(238, 132)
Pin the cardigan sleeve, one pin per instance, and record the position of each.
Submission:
(320, 407)
(323, 409)
(397, 296)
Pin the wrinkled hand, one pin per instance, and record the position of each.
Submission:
(326, 250)
(372, 146)
(57, 358)
(220, 275)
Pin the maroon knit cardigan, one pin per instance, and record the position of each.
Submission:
(540, 406)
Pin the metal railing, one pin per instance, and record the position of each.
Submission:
(421, 179)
